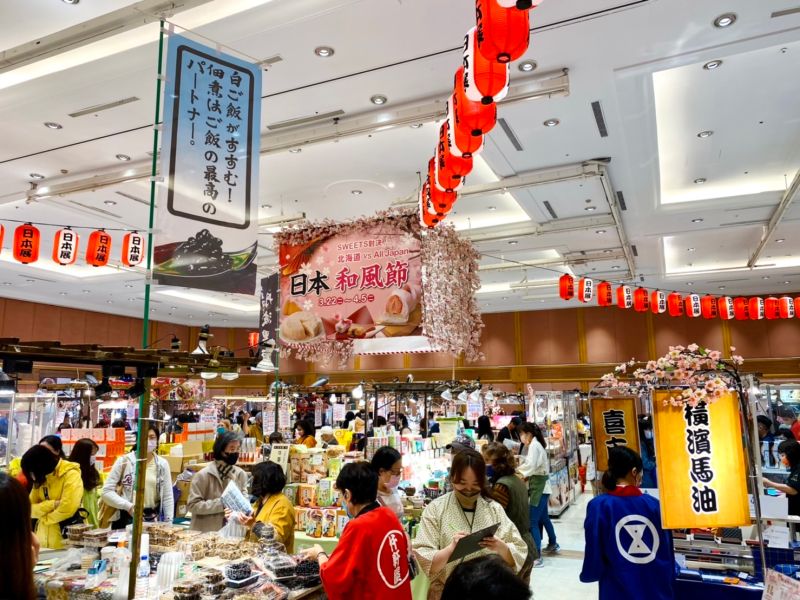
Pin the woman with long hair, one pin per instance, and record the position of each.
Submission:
(485, 429)
(19, 548)
(83, 453)
(468, 508)
(388, 464)
(535, 468)
(304, 433)
(627, 551)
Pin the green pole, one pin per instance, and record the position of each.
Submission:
(144, 399)
(277, 366)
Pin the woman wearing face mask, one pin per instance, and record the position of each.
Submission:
(466, 509)
(83, 454)
(388, 464)
(627, 551)
(205, 494)
(790, 458)
(304, 434)
(56, 494)
(649, 477)
(120, 486)
(52, 443)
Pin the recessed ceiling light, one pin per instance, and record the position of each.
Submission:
(712, 64)
(765, 277)
(697, 220)
(123, 157)
(390, 185)
(378, 99)
(551, 122)
(725, 20)
(786, 282)
(690, 249)
(512, 242)
(173, 308)
(295, 150)
(31, 280)
(266, 206)
(700, 180)
(324, 51)
(109, 302)
(615, 266)
(70, 1)
(526, 66)
(689, 283)
(780, 241)
(722, 287)
(52, 125)
(416, 125)
(62, 293)
(356, 192)
(36, 176)
(590, 208)
(491, 208)
(504, 298)
(606, 251)
(110, 202)
(600, 231)
(704, 134)
(86, 291)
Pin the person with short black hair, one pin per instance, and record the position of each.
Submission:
(373, 532)
(56, 494)
(509, 432)
(83, 454)
(483, 578)
(790, 457)
(19, 548)
(54, 444)
(304, 433)
(388, 464)
(764, 426)
(627, 551)
(272, 506)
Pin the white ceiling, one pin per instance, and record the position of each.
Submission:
(642, 61)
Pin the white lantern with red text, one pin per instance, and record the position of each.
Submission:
(132, 249)
(585, 289)
(65, 247)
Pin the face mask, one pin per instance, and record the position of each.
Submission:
(152, 445)
(231, 458)
(394, 481)
(220, 430)
(648, 435)
(92, 460)
(489, 471)
(469, 499)
(346, 508)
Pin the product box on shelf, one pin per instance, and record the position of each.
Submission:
(314, 523)
(325, 489)
(328, 522)
(307, 495)
(290, 491)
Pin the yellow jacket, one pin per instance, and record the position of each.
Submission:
(278, 511)
(64, 485)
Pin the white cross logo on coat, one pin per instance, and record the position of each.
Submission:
(637, 552)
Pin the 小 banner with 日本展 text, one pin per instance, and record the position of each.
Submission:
(207, 217)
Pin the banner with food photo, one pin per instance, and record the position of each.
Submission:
(207, 218)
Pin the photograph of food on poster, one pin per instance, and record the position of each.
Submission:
(361, 284)
(177, 389)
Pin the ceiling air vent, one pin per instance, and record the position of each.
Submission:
(134, 198)
(599, 118)
(786, 12)
(621, 201)
(91, 110)
(550, 209)
(305, 120)
(634, 250)
(512, 137)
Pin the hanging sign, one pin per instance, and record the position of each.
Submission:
(98, 249)
(65, 247)
(658, 302)
(700, 462)
(26, 243)
(132, 249)
(613, 424)
(207, 223)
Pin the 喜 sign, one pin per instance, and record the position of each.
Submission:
(613, 424)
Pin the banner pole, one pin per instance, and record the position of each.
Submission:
(144, 399)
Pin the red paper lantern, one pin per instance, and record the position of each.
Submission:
(566, 286)
(426, 217)
(444, 182)
(725, 307)
(756, 310)
(2, 235)
(65, 247)
(786, 308)
(503, 33)
(98, 250)
(455, 167)
(132, 249)
(520, 4)
(624, 296)
(585, 289)
(485, 81)
(641, 300)
(461, 143)
(741, 309)
(693, 309)
(604, 294)
(771, 310)
(797, 307)
(709, 307)
(442, 202)
(675, 305)
(252, 339)
(658, 302)
(26, 244)
(474, 118)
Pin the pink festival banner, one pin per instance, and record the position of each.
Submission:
(364, 286)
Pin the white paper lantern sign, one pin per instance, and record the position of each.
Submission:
(693, 307)
(132, 249)
(585, 289)
(65, 247)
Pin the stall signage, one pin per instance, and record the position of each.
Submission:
(207, 219)
(613, 424)
(363, 285)
(700, 462)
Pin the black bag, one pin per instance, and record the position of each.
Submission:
(78, 518)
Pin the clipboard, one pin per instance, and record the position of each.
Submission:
(469, 543)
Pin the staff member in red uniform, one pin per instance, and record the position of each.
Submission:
(370, 562)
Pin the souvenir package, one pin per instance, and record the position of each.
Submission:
(296, 469)
(329, 522)
(290, 491)
(341, 521)
(334, 466)
(76, 532)
(325, 492)
(314, 524)
(307, 495)
(187, 589)
(281, 566)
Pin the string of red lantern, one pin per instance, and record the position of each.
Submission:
(501, 35)
(691, 305)
(26, 245)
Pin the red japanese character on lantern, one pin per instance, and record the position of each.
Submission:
(98, 251)
(132, 249)
(443, 180)
(709, 307)
(449, 165)
(693, 309)
(426, 217)
(503, 33)
(786, 308)
(641, 300)
(474, 118)
(756, 309)
(741, 309)
(675, 305)
(26, 243)
(461, 143)
(771, 309)
(624, 296)
(65, 247)
(658, 302)
(485, 80)
(604, 294)
(566, 286)
(585, 289)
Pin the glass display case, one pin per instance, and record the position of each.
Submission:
(556, 415)
(24, 420)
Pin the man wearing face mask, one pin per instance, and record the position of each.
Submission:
(119, 488)
(790, 458)
(370, 561)
(649, 477)
(205, 495)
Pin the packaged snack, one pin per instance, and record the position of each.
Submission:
(296, 469)
(341, 521)
(334, 467)
(290, 491)
(307, 495)
(325, 491)
(314, 524)
(329, 522)
(300, 515)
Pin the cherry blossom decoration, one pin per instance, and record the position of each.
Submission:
(703, 375)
